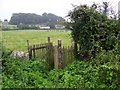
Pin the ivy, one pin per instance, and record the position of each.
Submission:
(92, 31)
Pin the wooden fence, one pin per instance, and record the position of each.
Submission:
(56, 56)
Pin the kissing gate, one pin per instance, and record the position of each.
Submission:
(56, 56)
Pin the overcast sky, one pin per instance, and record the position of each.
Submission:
(58, 7)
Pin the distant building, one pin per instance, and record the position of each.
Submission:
(44, 27)
(8, 27)
(59, 27)
(5, 21)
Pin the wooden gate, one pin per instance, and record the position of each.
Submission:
(56, 56)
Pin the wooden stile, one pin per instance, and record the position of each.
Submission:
(57, 56)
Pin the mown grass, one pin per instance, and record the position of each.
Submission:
(17, 39)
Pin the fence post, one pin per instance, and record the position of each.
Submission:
(30, 52)
(59, 54)
(28, 45)
(64, 56)
(75, 50)
(56, 57)
(50, 54)
(34, 51)
(48, 39)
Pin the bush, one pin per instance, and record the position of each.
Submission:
(5, 52)
(103, 71)
(21, 73)
(92, 30)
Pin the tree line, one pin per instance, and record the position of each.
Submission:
(25, 19)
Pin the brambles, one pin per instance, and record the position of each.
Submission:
(92, 31)
(101, 72)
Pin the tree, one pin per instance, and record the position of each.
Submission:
(29, 18)
(91, 31)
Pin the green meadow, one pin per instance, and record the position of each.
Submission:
(17, 39)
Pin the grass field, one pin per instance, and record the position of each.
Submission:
(17, 39)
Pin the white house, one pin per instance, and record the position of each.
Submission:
(44, 27)
(59, 27)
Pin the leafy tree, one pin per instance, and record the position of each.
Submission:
(29, 18)
(92, 30)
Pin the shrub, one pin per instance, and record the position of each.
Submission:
(103, 71)
(92, 30)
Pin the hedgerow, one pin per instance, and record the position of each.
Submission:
(101, 72)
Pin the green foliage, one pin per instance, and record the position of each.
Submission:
(101, 72)
(4, 52)
(92, 31)
(22, 74)
(29, 19)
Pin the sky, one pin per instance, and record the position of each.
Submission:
(57, 7)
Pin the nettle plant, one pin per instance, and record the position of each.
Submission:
(92, 31)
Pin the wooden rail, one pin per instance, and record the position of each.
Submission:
(56, 56)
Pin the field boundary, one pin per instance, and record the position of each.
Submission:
(56, 56)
